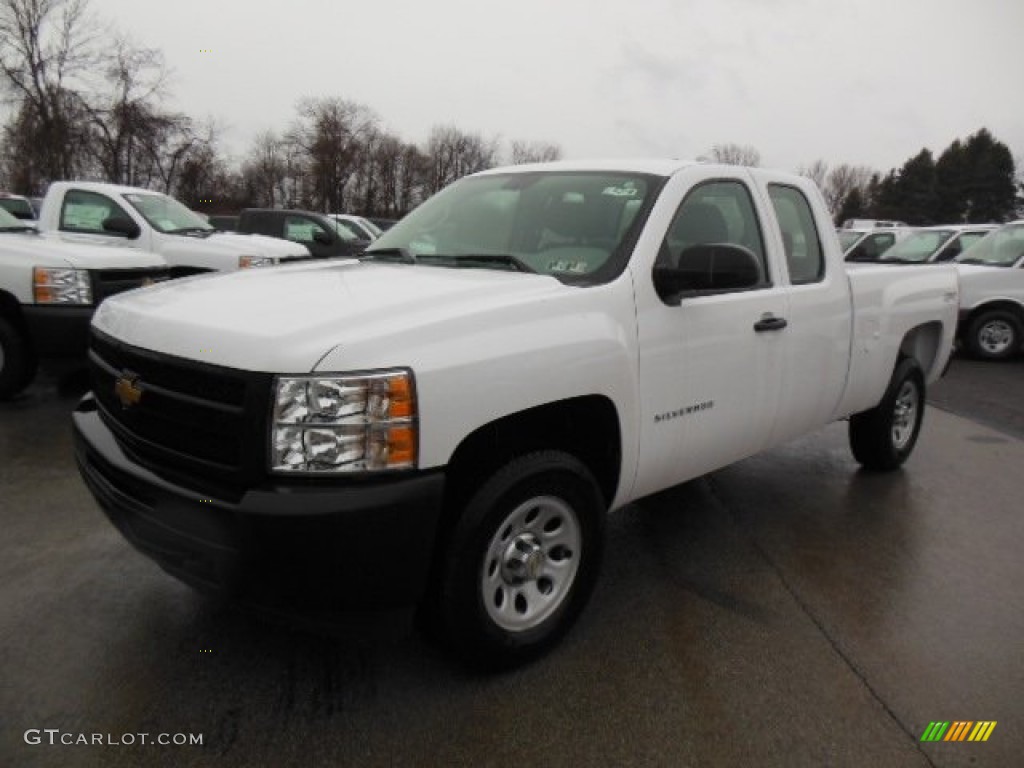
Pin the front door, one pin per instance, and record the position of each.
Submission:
(710, 368)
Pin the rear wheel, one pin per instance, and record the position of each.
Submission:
(17, 364)
(994, 335)
(883, 438)
(522, 560)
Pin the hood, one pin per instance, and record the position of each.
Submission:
(287, 319)
(225, 248)
(42, 251)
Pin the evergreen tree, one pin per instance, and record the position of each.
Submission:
(916, 187)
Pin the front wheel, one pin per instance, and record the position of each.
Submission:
(882, 438)
(994, 335)
(522, 560)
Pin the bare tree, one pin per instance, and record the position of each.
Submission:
(265, 169)
(841, 181)
(816, 172)
(735, 154)
(125, 117)
(534, 152)
(330, 133)
(454, 154)
(46, 48)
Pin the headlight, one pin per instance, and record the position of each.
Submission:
(344, 423)
(245, 262)
(61, 286)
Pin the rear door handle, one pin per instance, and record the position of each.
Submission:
(770, 323)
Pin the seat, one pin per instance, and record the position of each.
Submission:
(697, 224)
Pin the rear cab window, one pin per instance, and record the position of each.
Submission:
(805, 259)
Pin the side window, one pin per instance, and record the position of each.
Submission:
(86, 211)
(953, 249)
(715, 213)
(300, 229)
(881, 243)
(804, 257)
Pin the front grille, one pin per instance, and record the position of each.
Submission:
(108, 282)
(197, 424)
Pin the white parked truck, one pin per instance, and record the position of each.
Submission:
(110, 214)
(446, 422)
(48, 293)
(992, 294)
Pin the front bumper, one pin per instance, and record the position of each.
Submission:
(295, 549)
(60, 335)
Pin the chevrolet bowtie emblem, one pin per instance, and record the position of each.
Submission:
(127, 391)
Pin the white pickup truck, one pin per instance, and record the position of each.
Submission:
(992, 294)
(48, 293)
(446, 422)
(111, 214)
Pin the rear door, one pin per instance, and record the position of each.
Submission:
(815, 351)
(711, 368)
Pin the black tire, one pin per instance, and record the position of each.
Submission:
(994, 335)
(17, 363)
(489, 618)
(881, 439)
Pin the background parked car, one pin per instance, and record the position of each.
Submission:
(936, 244)
(870, 244)
(383, 224)
(362, 228)
(321, 234)
(223, 223)
(19, 207)
(992, 294)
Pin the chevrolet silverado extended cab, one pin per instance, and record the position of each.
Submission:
(446, 422)
(110, 214)
(48, 293)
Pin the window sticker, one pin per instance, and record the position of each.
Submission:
(626, 189)
(564, 265)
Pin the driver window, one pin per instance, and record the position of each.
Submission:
(716, 212)
(86, 211)
(300, 229)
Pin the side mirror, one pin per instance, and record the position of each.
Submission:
(121, 225)
(707, 268)
(321, 237)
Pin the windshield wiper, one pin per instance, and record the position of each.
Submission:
(478, 259)
(191, 231)
(19, 229)
(401, 255)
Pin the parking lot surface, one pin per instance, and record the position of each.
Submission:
(789, 610)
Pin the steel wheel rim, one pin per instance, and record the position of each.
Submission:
(995, 336)
(531, 563)
(905, 414)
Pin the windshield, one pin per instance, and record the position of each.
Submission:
(1002, 247)
(18, 207)
(344, 232)
(8, 221)
(371, 227)
(848, 238)
(576, 226)
(919, 246)
(166, 214)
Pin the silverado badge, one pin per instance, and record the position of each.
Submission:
(126, 389)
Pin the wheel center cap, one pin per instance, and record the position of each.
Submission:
(524, 559)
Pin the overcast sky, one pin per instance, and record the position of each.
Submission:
(859, 81)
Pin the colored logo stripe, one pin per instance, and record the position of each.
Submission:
(959, 730)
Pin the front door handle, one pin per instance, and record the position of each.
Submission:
(770, 322)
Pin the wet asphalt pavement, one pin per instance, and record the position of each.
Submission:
(787, 611)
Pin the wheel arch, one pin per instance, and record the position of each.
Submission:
(922, 343)
(997, 305)
(587, 427)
